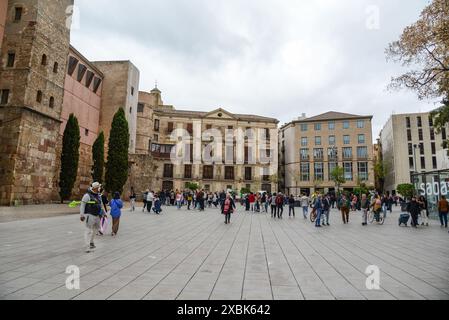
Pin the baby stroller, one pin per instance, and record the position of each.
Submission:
(404, 218)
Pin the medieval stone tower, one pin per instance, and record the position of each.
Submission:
(33, 60)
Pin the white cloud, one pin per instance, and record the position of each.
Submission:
(274, 58)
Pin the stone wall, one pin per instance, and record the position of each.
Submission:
(141, 175)
(28, 148)
(29, 129)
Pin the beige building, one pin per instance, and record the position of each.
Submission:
(410, 144)
(236, 157)
(312, 147)
(120, 90)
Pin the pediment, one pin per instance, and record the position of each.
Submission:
(220, 114)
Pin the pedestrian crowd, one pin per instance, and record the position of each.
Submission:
(95, 206)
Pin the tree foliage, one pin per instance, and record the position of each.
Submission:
(98, 159)
(406, 190)
(118, 147)
(380, 172)
(424, 45)
(440, 119)
(69, 158)
(192, 186)
(338, 176)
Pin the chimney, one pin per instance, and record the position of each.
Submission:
(302, 117)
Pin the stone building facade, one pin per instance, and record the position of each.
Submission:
(161, 126)
(120, 90)
(312, 147)
(33, 59)
(82, 96)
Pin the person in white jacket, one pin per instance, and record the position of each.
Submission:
(150, 200)
(305, 202)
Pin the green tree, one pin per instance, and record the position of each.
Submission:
(245, 190)
(380, 172)
(406, 190)
(192, 186)
(118, 147)
(424, 44)
(440, 119)
(338, 177)
(98, 159)
(69, 158)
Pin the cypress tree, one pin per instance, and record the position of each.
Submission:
(69, 158)
(98, 159)
(118, 147)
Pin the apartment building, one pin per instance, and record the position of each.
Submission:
(410, 145)
(311, 148)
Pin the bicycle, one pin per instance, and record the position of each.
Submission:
(372, 217)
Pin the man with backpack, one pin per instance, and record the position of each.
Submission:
(280, 205)
(91, 212)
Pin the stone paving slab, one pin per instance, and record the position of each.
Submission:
(195, 256)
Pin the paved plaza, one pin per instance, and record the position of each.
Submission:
(195, 256)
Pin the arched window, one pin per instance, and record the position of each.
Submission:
(51, 104)
(39, 96)
(44, 60)
(55, 67)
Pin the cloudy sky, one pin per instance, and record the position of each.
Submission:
(277, 58)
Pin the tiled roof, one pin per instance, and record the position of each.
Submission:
(333, 115)
(201, 114)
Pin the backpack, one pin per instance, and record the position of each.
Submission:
(279, 200)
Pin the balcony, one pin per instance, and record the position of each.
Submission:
(305, 158)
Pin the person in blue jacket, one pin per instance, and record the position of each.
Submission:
(157, 205)
(116, 205)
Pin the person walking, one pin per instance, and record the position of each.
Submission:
(227, 208)
(305, 203)
(443, 209)
(252, 201)
(280, 205)
(132, 200)
(116, 212)
(91, 212)
(344, 205)
(414, 209)
(291, 206)
(365, 206)
(424, 211)
(145, 195)
(318, 205)
(150, 199)
(272, 202)
(179, 199)
(189, 200)
(326, 210)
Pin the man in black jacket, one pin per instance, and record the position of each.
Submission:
(414, 208)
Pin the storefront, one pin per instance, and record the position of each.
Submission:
(432, 185)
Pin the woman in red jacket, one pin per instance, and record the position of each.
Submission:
(227, 208)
